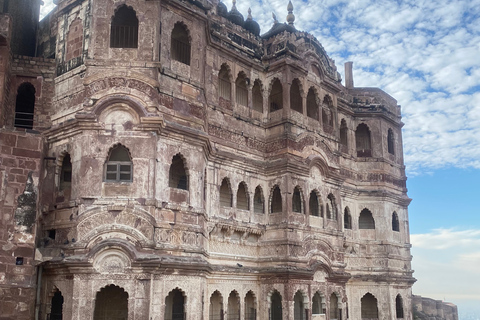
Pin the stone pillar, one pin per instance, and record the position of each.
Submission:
(349, 75)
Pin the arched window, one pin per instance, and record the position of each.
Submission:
(175, 305)
(366, 220)
(399, 306)
(180, 44)
(258, 201)
(250, 306)
(296, 97)
(369, 307)
(233, 311)
(25, 106)
(298, 307)
(332, 206)
(177, 176)
(118, 167)
(225, 193)
(276, 306)
(334, 310)
(124, 28)
(257, 96)
(312, 106)
(56, 311)
(395, 222)
(362, 140)
(347, 219)
(111, 302)
(242, 197)
(275, 99)
(391, 142)
(216, 306)
(318, 303)
(276, 204)
(327, 112)
(241, 90)
(66, 173)
(313, 204)
(343, 133)
(224, 86)
(74, 43)
(297, 200)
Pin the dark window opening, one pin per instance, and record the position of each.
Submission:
(276, 306)
(317, 304)
(343, 133)
(258, 201)
(312, 106)
(66, 173)
(298, 307)
(297, 200)
(369, 307)
(276, 205)
(395, 222)
(233, 308)
(225, 194)
(25, 106)
(313, 204)
(124, 29)
(250, 309)
(56, 312)
(118, 167)
(391, 142)
(180, 44)
(52, 234)
(296, 97)
(177, 175)
(257, 96)
(276, 96)
(224, 86)
(216, 306)
(347, 219)
(399, 307)
(362, 140)
(324, 117)
(366, 220)
(175, 305)
(241, 91)
(19, 261)
(334, 310)
(242, 197)
(111, 302)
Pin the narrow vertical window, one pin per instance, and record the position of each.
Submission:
(276, 204)
(391, 142)
(296, 96)
(297, 200)
(313, 204)
(312, 106)
(347, 219)
(332, 205)
(257, 96)
(225, 193)
(124, 28)
(366, 220)
(180, 44)
(363, 141)
(66, 173)
(178, 177)
(118, 167)
(242, 197)
(241, 90)
(395, 222)
(224, 86)
(276, 96)
(343, 133)
(56, 312)
(399, 306)
(258, 201)
(24, 106)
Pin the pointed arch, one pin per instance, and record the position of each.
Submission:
(334, 306)
(177, 175)
(124, 28)
(242, 196)
(347, 219)
(233, 307)
(312, 105)
(275, 300)
(111, 302)
(175, 304)
(298, 306)
(296, 102)
(56, 310)
(250, 306)
(25, 106)
(314, 205)
(118, 167)
(390, 142)
(275, 99)
(395, 222)
(241, 89)
(225, 193)
(366, 221)
(180, 48)
(363, 141)
(257, 96)
(297, 200)
(276, 200)
(318, 303)
(258, 201)
(224, 83)
(216, 306)
(399, 306)
(369, 306)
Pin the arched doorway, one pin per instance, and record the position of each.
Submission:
(175, 305)
(56, 311)
(111, 303)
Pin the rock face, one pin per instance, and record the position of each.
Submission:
(162, 160)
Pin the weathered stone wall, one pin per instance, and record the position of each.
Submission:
(426, 308)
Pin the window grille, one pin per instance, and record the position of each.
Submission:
(124, 29)
(391, 142)
(118, 168)
(180, 44)
(362, 140)
(25, 106)
(366, 220)
(241, 91)
(66, 173)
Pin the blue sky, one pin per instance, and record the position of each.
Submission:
(426, 54)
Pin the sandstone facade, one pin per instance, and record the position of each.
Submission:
(183, 166)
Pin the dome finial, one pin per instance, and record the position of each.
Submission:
(249, 14)
(234, 3)
(275, 21)
(290, 16)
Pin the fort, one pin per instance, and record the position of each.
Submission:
(164, 159)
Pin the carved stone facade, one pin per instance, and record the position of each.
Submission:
(187, 167)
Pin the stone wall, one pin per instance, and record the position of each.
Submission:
(430, 309)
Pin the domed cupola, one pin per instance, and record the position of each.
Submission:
(252, 25)
(222, 10)
(235, 16)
